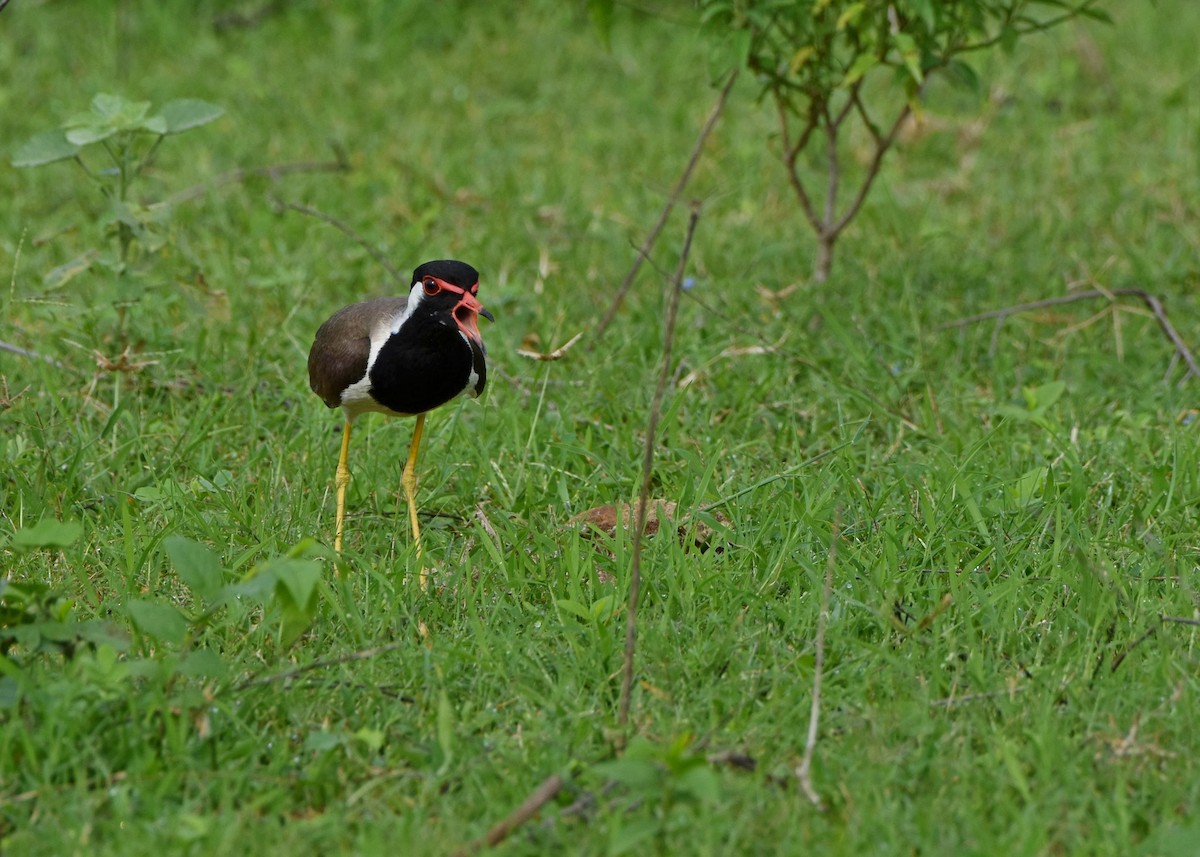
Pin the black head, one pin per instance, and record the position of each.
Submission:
(451, 271)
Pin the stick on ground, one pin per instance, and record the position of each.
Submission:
(530, 807)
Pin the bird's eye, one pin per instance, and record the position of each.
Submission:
(432, 287)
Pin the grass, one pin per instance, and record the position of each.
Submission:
(1016, 514)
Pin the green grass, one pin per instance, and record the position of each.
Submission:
(1029, 714)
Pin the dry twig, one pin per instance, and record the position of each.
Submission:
(664, 375)
(1154, 304)
(676, 192)
(804, 769)
(271, 171)
(346, 229)
(361, 655)
(557, 354)
(530, 807)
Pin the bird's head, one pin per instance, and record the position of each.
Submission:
(450, 287)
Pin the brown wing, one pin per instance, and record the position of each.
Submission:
(339, 353)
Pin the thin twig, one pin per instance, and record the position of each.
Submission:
(1120, 657)
(664, 374)
(804, 769)
(271, 171)
(1153, 303)
(530, 807)
(346, 229)
(557, 354)
(361, 655)
(676, 192)
(1181, 620)
(25, 352)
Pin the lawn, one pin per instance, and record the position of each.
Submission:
(1009, 513)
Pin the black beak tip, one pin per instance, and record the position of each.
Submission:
(483, 312)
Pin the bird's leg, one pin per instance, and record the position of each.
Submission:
(409, 481)
(341, 480)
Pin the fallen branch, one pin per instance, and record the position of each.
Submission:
(1154, 304)
(804, 769)
(664, 375)
(530, 807)
(676, 192)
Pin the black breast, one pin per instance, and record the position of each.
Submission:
(426, 364)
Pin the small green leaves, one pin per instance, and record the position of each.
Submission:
(160, 621)
(196, 565)
(186, 113)
(48, 533)
(45, 148)
(109, 115)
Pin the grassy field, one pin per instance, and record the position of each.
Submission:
(1016, 509)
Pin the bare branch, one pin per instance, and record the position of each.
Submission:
(792, 154)
(881, 148)
(685, 176)
(664, 375)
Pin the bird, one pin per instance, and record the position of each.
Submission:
(402, 356)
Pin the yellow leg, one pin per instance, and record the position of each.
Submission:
(341, 480)
(409, 481)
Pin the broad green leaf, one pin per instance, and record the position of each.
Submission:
(910, 54)
(638, 775)
(861, 65)
(204, 663)
(160, 621)
(1041, 399)
(633, 836)
(574, 608)
(1028, 488)
(196, 565)
(48, 533)
(700, 783)
(961, 74)
(185, 113)
(45, 148)
(86, 135)
(297, 580)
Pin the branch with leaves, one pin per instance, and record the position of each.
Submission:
(832, 67)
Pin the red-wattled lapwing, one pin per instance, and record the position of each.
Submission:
(402, 357)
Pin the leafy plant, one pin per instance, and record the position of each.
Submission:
(672, 780)
(112, 143)
(829, 66)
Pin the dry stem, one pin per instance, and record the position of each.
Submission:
(676, 192)
(664, 375)
(1153, 303)
(804, 769)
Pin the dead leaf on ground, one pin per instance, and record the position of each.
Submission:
(607, 518)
